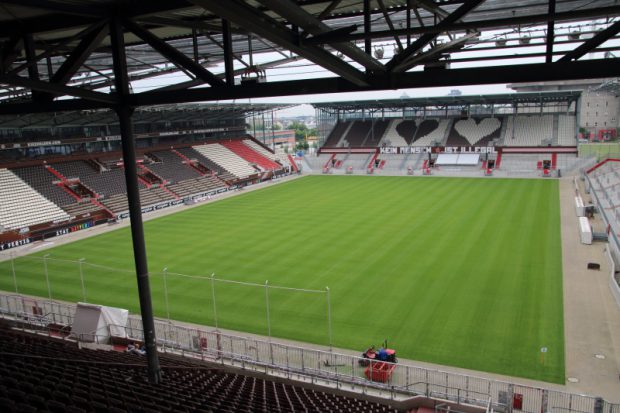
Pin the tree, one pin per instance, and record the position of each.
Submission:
(301, 130)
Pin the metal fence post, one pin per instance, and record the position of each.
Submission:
(80, 261)
(267, 305)
(213, 297)
(13, 270)
(165, 270)
(329, 319)
(47, 278)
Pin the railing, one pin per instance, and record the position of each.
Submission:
(614, 244)
(319, 366)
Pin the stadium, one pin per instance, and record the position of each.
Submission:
(170, 242)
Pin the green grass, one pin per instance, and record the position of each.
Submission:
(460, 272)
(601, 150)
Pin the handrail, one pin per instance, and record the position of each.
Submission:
(279, 358)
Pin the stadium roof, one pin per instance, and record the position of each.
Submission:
(199, 50)
(185, 112)
(458, 101)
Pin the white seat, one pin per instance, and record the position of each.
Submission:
(23, 206)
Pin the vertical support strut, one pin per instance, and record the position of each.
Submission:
(550, 33)
(367, 41)
(124, 112)
(228, 53)
(33, 68)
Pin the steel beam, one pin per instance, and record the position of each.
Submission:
(431, 7)
(592, 43)
(367, 28)
(397, 64)
(588, 69)
(550, 32)
(573, 15)
(388, 20)
(91, 10)
(173, 54)
(124, 112)
(442, 48)
(567, 70)
(194, 82)
(81, 52)
(33, 69)
(57, 89)
(316, 27)
(10, 51)
(228, 53)
(266, 27)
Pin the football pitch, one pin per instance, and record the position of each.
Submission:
(459, 272)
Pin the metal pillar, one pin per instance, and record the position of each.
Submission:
(550, 33)
(47, 277)
(367, 24)
(124, 112)
(228, 53)
(267, 307)
(329, 318)
(13, 271)
(213, 299)
(166, 293)
(80, 262)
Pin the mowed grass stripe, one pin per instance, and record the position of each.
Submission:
(462, 272)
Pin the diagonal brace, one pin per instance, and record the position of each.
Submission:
(72, 64)
(590, 44)
(173, 54)
(398, 62)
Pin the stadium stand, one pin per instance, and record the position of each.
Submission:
(194, 186)
(357, 133)
(337, 133)
(42, 181)
(74, 169)
(407, 130)
(107, 183)
(22, 206)
(172, 168)
(226, 159)
(375, 135)
(431, 130)
(43, 374)
(81, 208)
(194, 155)
(475, 132)
(281, 158)
(566, 130)
(364, 133)
(118, 202)
(528, 130)
(245, 152)
(392, 137)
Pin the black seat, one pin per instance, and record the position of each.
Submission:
(7, 405)
(56, 406)
(26, 408)
(17, 396)
(36, 401)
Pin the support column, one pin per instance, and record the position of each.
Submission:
(367, 24)
(124, 112)
(228, 53)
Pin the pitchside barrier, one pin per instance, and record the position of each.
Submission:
(321, 367)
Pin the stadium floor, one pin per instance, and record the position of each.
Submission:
(577, 357)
